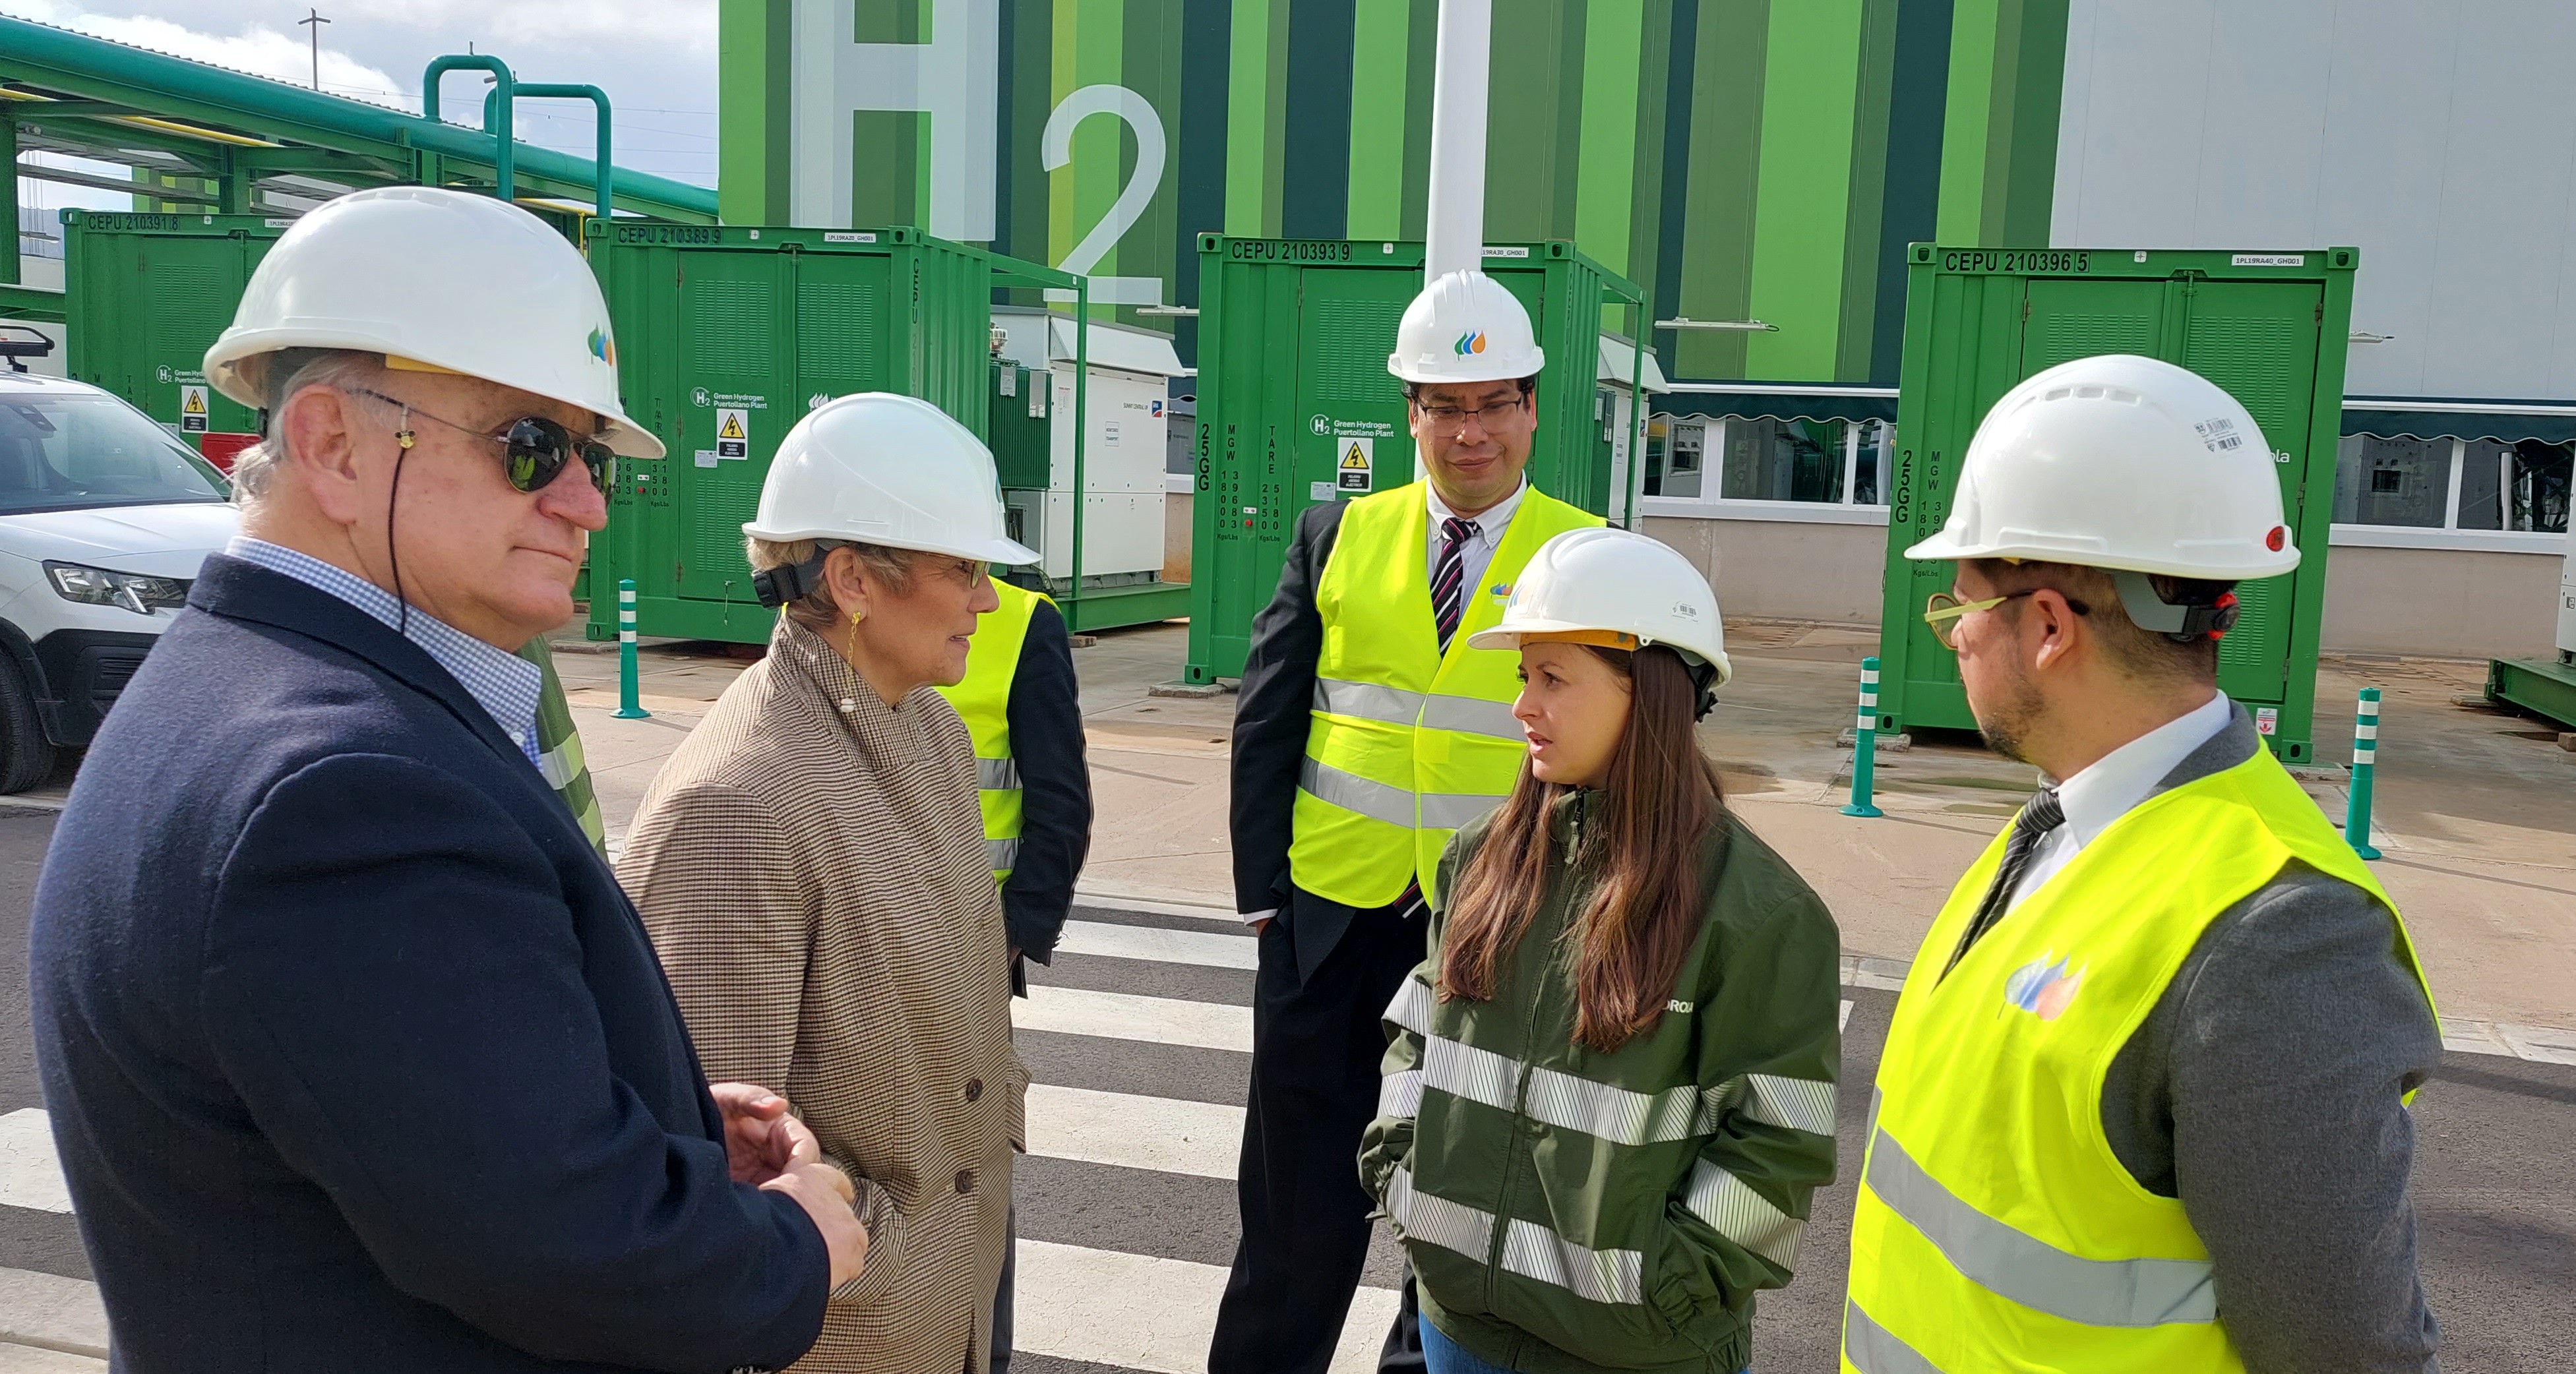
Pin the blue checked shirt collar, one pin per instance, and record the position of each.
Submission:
(504, 684)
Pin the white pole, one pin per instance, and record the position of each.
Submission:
(1460, 69)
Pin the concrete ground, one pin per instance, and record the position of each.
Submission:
(2476, 810)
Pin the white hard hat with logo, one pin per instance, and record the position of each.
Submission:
(895, 471)
(2124, 463)
(437, 281)
(2127, 464)
(1616, 589)
(1465, 327)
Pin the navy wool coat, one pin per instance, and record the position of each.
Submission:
(358, 1058)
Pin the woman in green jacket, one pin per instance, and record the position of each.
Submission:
(1610, 1092)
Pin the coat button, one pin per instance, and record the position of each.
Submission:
(974, 1089)
(965, 1180)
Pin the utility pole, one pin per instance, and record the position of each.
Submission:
(312, 23)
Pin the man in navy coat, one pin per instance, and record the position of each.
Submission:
(357, 1057)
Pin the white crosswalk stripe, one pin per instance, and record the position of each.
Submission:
(1126, 1016)
(1164, 946)
(1160, 1133)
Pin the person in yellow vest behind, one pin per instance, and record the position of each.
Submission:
(1366, 732)
(2143, 1102)
(1023, 706)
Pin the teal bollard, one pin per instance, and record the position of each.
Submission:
(2365, 753)
(1865, 743)
(629, 704)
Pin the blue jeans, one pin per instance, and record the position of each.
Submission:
(1441, 1355)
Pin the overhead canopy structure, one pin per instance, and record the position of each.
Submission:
(207, 138)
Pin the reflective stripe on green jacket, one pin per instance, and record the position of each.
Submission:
(559, 753)
(1567, 1209)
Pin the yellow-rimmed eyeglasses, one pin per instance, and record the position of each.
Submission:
(1943, 610)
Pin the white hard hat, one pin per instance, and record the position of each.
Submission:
(437, 281)
(1465, 327)
(1612, 582)
(890, 470)
(2122, 463)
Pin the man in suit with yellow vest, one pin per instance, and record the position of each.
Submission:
(2143, 1102)
(1022, 707)
(1366, 732)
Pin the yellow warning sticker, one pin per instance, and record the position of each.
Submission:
(733, 433)
(732, 426)
(192, 410)
(1358, 456)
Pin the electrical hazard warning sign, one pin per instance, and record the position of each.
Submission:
(733, 433)
(1352, 472)
(192, 410)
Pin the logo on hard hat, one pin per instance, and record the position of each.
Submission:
(2276, 538)
(1473, 341)
(603, 347)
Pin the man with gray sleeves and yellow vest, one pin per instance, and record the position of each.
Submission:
(1367, 731)
(2142, 1108)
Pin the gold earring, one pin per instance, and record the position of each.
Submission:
(857, 616)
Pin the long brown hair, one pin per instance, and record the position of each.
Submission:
(1659, 795)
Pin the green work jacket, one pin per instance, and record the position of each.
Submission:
(1567, 1209)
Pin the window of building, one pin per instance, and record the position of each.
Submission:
(1767, 467)
(2451, 484)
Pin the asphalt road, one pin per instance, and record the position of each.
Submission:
(2496, 1179)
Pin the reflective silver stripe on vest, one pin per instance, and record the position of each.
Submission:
(1800, 1104)
(1351, 792)
(1367, 701)
(1743, 1215)
(1560, 1099)
(997, 775)
(1396, 706)
(1872, 1350)
(1529, 1249)
(2032, 1272)
(1452, 810)
(1474, 716)
(1003, 853)
(1399, 1095)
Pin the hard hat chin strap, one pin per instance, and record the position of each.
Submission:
(792, 582)
(2182, 622)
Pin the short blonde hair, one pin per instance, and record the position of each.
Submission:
(816, 610)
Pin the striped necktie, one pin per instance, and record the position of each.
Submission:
(1448, 581)
(2041, 816)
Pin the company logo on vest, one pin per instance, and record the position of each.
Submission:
(2043, 989)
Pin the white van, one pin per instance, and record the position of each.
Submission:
(104, 519)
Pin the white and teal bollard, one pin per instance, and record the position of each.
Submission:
(629, 692)
(1865, 743)
(2365, 753)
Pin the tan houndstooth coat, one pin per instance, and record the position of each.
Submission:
(811, 866)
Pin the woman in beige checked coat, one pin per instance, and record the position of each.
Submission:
(811, 865)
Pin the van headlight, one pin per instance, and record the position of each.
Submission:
(102, 587)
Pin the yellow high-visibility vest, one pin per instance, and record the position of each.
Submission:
(1407, 743)
(983, 701)
(1995, 1228)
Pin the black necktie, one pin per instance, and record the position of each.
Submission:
(1448, 581)
(2041, 816)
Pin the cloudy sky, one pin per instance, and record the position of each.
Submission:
(655, 58)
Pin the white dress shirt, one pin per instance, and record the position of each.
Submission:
(2114, 785)
(1477, 553)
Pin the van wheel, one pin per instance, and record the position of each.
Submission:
(26, 757)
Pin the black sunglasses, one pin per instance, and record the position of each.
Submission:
(534, 449)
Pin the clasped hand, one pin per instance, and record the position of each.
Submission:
(767, 1147)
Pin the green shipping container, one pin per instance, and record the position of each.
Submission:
(2270, 327)
(147, 295)
(725, 338)
(1296, 406)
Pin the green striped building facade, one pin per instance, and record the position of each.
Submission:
(1742, 159)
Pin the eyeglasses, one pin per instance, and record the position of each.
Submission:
(1942, 611)
(535, 450)
(1485, 416)
(965, 572)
